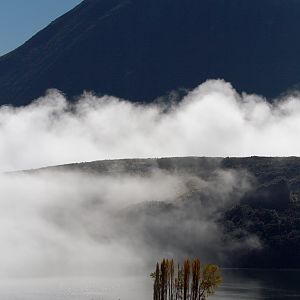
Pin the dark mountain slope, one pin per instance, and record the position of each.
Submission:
(142, 49)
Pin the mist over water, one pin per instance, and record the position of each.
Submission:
(212, 120)
(69, 223)
(238, 285)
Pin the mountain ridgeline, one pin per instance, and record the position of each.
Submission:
(143, 49)
(268, 210)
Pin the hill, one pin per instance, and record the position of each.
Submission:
(269, 210)
(142, 49)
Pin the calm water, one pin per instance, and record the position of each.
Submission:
(238, 284)
(260, 284)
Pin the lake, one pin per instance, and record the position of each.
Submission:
(259, 284)
(238, 284)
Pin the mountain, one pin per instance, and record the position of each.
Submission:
(143, 49)
(269, 210)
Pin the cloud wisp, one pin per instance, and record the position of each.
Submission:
(212, 120)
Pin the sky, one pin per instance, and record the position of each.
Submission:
(21, 19)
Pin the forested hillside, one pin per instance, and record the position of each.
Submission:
(269, 209)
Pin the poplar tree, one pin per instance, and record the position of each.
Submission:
(156, 287)
(195, 279)
(172, 279)
(186, 278)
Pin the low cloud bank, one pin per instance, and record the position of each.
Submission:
(72, 223)
(212, 120)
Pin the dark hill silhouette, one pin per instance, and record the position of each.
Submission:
(142, 49)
